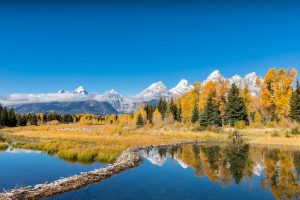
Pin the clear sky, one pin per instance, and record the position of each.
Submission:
(126, 45)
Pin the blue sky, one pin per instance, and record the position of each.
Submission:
(126, 45)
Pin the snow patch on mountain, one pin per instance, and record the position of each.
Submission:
(182, 87)
(214, 76)
(154, 91)
(123, 105)
(236, 79)
(128, 104)
(248, 79)
(80, 90)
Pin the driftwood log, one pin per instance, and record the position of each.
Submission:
(130, 158)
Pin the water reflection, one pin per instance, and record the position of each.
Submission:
(278, 170)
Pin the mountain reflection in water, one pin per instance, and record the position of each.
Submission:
(278, 169)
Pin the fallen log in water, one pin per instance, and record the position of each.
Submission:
(128, 159)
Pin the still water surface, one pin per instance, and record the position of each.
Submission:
(203, 172)
(23, 168)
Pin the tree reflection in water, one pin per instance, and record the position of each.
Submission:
(231, 164)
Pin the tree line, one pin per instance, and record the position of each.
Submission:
(214, 104)
(8, 118)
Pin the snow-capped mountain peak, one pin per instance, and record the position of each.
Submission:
(251, 77)
(158, 86)
(62, 91)
(154, 91)
(182, 87)
(214, 76)
(236, 79)
(80, 90)
(112, 91)
(250, 80)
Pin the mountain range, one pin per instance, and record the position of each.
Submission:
(109, 102)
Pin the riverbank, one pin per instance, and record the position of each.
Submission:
(104, 143)
(101, 143)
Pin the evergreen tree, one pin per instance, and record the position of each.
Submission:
(195, 114)
(22, 120)
(3, 117)
(162, 107)
(149, 109)
(295, 104)
(33, 119)
(211, 115)
(11, 118)
(139, 121)
(179, 114)
(235, 108)
(174, 110)
(1, 108)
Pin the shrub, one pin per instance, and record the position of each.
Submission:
(275, 134)
(271, 124)
(3, 146)
(240, 124)
(86, 156)
(295, 131)
(67, 154)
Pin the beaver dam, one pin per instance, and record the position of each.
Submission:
(190, 170)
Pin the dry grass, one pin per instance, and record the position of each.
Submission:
(271, 136)
(105, 142)
(99, 142)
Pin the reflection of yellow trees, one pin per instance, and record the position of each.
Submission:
(280, 175)
(210, 172)
(229, 164)
(190, 156)
(214, 167)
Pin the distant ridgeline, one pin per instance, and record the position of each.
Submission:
(252, 100)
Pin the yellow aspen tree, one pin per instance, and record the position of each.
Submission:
(221, 92)
(207, 89)
(257, 119)
(267, 94)
(187, 102)
(283, 90)
(157, 120)
(247, 98)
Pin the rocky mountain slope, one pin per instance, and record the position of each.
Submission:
(80, 101)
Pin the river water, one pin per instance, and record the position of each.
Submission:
(19, 168)
(203, 172)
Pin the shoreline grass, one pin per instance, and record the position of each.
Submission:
(104, 143)
(3, 146)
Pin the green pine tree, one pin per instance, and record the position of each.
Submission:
(149, 109)
(174, 110)
(4, 117)
(11, 118)
(295, 104)
(33, 119)
(22, 120)
(211, 115)
(195, 115)
(235, 109)
(139, 121)
(162, 107)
